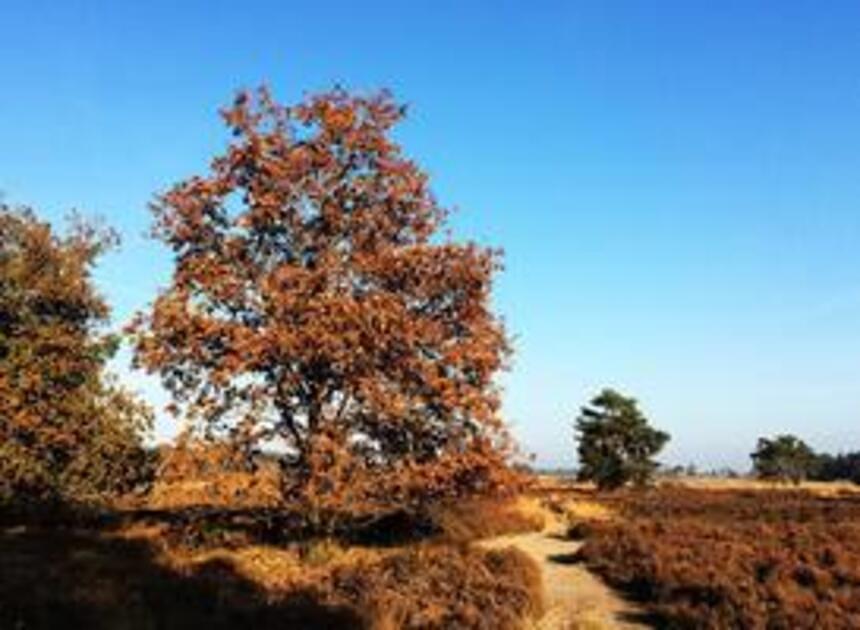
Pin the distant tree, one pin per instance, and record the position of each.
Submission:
(313, 307)
(728, 473)
(783, 458)
(672, 471)
(616, 443)
(66, 429)
(841, 467)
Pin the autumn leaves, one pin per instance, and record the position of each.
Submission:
(313, 313)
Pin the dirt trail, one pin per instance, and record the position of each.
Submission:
(575, 598)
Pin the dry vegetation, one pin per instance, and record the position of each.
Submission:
(484, 518)
(733, 559)
(133, 571)
(186, 558)
(817, 488)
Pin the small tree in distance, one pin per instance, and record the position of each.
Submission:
(616, 442)
(315, 309)
(783, 458)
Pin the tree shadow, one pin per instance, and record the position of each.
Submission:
(565, 558)
(394, 529)
(563, 537)
(55, 578)
(644, 618)
(223, 527)
(201, 527)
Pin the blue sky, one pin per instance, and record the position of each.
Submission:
(675, 184)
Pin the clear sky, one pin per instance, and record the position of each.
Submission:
(676, 184)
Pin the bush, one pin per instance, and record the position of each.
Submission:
(439, 586)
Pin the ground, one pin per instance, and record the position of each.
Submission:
(575, 598)
(490, 565)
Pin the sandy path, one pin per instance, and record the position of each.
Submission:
(575, 598)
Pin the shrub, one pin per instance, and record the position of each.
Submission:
(445, 587)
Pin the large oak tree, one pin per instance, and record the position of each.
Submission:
(315, 309)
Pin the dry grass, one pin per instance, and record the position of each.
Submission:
(586, 510)
(418, 586)
(818, 488)
(467, 521)
(550, 484)
(572, 504)
(223, 489)
(220, 551)
(80, 579)
(445, 586)
(134, 575)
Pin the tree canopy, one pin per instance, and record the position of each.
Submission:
(839, 467)
(783, 458)
(315, 308)
(65, 427)
(616, 444)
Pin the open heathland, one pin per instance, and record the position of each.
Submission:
(732, 559)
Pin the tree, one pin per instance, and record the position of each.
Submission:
(616, 443)
(843, 466)
(65, 428)
(783, 458)
(314, 309)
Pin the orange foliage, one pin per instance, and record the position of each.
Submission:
(198, 473)
(313, 309)
(64, 427)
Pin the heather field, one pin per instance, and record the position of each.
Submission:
(210, 567)
(738, 558)
(697, 554)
